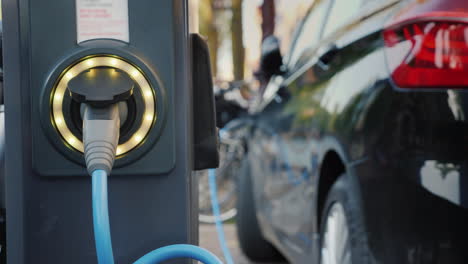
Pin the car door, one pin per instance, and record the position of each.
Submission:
(279, 164)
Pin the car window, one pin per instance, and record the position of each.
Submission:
(341, 12)
(310, 31)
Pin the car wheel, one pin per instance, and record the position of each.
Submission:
(343, 236)
(251, 241)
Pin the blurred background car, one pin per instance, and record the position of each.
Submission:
(357, 146)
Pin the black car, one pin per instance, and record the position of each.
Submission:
(358, 149)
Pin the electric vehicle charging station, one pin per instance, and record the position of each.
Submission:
(56, 63)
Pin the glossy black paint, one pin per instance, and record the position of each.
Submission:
(402, 151)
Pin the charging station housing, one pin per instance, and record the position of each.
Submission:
(151, 192)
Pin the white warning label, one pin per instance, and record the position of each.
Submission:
(101, 19)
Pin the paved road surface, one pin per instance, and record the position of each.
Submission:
(209, 240)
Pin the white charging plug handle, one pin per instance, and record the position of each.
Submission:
(101, 127)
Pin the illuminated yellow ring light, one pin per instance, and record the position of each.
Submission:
(104, 61)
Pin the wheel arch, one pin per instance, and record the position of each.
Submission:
(331, 168)
(333, 162)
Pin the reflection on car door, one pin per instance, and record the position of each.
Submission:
(281, 160)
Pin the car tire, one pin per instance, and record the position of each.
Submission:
(251, 240)
(342, 215)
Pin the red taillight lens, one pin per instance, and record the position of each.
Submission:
(430, 54)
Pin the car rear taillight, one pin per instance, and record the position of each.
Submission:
(427, 46)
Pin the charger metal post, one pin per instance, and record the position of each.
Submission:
(63, 59)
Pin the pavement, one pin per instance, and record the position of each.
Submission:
(209, 240)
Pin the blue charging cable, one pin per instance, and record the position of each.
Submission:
(216, 213)
(178, 251)
(102, 234)
(103, 240)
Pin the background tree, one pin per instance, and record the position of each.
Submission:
(237, 38)
(267, 10)
(208, 29)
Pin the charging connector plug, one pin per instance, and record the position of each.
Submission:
(101, 126)
(100, 90)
